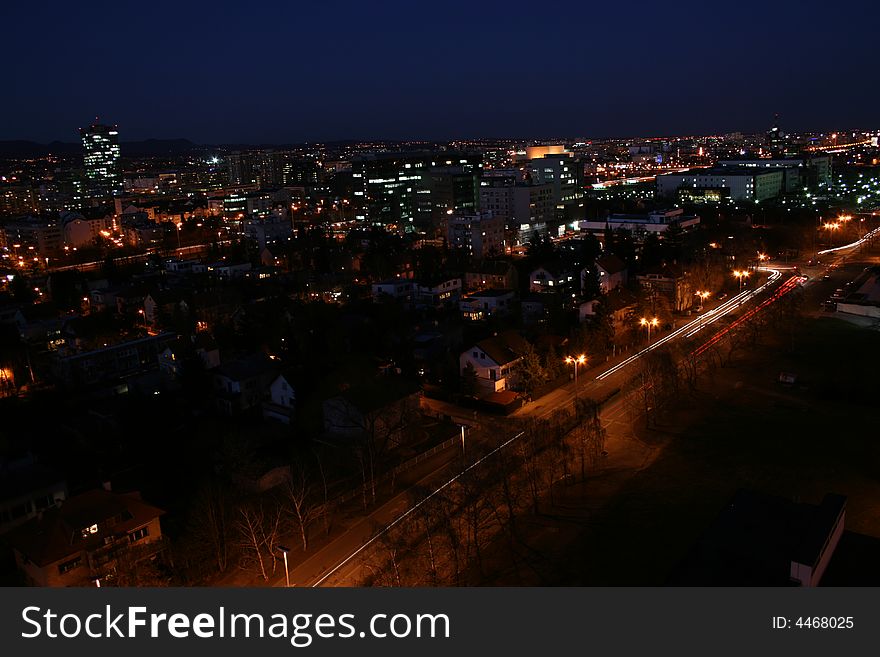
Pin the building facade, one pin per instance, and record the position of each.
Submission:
(101, 161)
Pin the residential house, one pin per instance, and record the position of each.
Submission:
(202, 348)
(672, 281)
(281, 403)
(438, 293)
(495, 360)
(273, 256)
(479, 306)
(81, 230)
(553, 277)
(163, 306)
(394, 288)
(111, 363)
(622, 306)
(93, 536)
(534, 309)
(191, 266)
(612, 272)
(228, 270)
(130, 302)
(383, 412)
(217, 306)
(241, 384)
(492, 274)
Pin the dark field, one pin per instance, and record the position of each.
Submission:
(742, 429)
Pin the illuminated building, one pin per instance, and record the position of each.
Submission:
(735, 183)
(409, 191)
(32, 238)
(565, 176)
(526, 207)
(809, 171)
(101, 163)
(481, 235)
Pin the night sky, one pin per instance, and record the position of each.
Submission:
(283, 72)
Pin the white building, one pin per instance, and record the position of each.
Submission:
(736, 184)
(439, 292)
(494, 360)
(481, 305)
(612, 272)
(396, 288)
(282, 401)
(641, 224)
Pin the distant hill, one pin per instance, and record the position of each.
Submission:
(147, 148)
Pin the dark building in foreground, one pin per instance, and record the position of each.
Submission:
(98, 535)
(763, 540)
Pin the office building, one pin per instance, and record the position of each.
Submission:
(398, 190)
(564, 174)
(481, 235)
(527, 208)
(723, 183)
(641, 225)
(101, 161)
(811, 171)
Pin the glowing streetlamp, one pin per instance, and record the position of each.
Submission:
(831, 227)
(762, 257)
(703, 296)
(648, 323)
(741, 274)
(576, 360)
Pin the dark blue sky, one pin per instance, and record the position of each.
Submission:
(320, 70)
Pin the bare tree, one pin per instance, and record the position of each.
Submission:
(249, 523)
(300, 495)
(211, 521)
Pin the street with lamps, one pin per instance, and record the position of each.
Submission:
(648, 323)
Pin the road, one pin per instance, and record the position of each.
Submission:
(184, 251)
(341, 562)
(623, 449)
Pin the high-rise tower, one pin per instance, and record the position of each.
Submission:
(103, 170)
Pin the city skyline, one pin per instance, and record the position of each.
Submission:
(467, 72)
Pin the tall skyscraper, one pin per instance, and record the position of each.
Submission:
(103, 169)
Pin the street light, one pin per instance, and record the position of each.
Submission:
(741, 274)
(831, 227)
(284, 551)
(648, 323)
(762, 257)
(576, 360)
(703, 296)
(462, 445)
